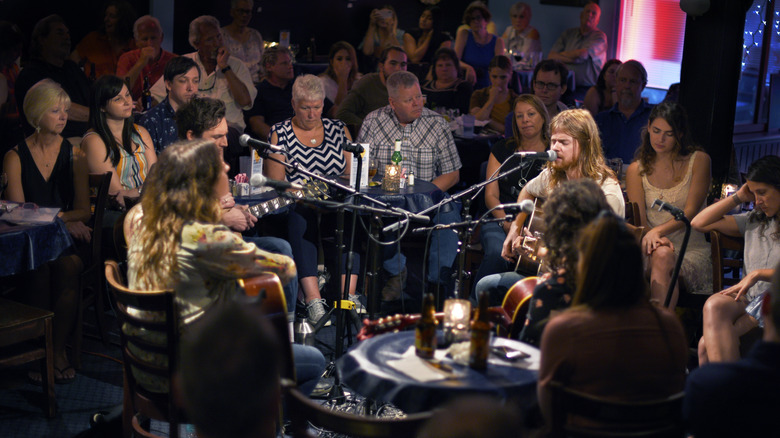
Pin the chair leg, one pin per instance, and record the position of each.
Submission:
(100, 309)
(77, 338)
(47, 372)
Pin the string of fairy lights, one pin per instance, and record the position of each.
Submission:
(752, 37)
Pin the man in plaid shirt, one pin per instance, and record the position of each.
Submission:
(428, 150)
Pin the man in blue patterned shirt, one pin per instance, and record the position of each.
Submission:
(181, 78)
(428, 150)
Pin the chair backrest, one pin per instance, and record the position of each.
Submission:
(155, 405)
(632, 214)
(303, 410)
(609, 418)
(98, 184)
(727, 253)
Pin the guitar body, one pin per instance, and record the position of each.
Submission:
(516, 302)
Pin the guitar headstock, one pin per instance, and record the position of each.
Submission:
(385, 325)
(313, 188)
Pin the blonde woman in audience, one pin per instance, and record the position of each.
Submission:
(382, 32)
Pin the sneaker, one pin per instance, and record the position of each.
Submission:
(394, 286)
(359, 307)
(315, 310)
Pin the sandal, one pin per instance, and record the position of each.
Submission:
(64, 380)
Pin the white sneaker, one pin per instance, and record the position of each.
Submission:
(315, 310)
(359, 307)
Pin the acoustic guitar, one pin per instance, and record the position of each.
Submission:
(508, 318)
(528, 261)
(311, 189)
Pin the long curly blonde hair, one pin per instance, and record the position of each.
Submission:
(579, 124)
(178, 190)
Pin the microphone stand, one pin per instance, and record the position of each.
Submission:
(679, 216)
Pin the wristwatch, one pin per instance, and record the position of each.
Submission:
(225, 70)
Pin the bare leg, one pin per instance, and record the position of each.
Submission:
(65, 283)
(352, 283)
(721, 335)
(703, 358)
(311, 289)
(661, 267)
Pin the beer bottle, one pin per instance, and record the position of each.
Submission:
(425, 334)
(146, 96)
(480, 335)
(396, 157)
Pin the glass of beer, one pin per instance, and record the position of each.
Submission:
(373, 167)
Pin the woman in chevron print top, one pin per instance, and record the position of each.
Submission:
(314, 143)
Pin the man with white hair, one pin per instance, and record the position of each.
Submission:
(429, 151)
(148, 60)
(222, 76)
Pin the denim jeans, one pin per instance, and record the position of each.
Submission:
(309, 366)
(492, 237)
(279, 246)
(497, 286)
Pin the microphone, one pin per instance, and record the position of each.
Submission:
(261, 146)
(259, 180)
(526, 206)
(355, 148)
(674, 211)
(546, 155)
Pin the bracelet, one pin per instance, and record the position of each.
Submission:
(736, 199)
(225, 70)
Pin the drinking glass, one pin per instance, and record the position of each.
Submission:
(373, 168)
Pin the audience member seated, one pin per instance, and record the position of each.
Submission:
(315, 144)
(549, 84)
(341, 74)
(753, 382)
(521, 38)
(242, 41)
(222, 76)
(612, 343)
(46, 169)
(99, 51)
(176, 242)
(49, 50)
(10, 50)
(274, 93)
(204, 118)
(530, 133)
(494, 103)
(382, 33)
(446, 90)
(370, 92)
(736, 310)
(114, 143)
(576, 142)
(475, 46)
(583, 49)
(421, 43)
(147, 62)
(181, 78)
(671, 168)
(426, 136)
(472, 416)
(621, 125)
(229, 375)
(603, 95)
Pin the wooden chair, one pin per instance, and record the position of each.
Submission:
(632, 214)
(25, 336)
(302, 410)
(608, 418)
(91, 282)
(138, 401)
(725, 263)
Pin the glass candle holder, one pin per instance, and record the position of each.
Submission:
(392, 179)
(457, 314)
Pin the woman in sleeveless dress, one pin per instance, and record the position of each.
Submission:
(476, 47)
(670, 167)
(314, 143)
(45, 169)
(114, 143)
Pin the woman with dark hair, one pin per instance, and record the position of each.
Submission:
(341, 74)
(603, 96)
(114, 143)
(446, 89)
(671, 168)
(531, 129)
(736, 310)
(475, 46)
(421, 43)
(495, 102)
(99, 50)
(612, 343)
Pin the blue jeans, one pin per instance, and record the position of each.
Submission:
(309, 366)
(492, 237)
(279, 246)
(444, 248)
(497, 286)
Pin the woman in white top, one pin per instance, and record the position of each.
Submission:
(670, 167)
(521, 39)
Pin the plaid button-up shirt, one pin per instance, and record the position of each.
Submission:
(427, 146)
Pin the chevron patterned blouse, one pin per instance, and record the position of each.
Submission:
(327, 158)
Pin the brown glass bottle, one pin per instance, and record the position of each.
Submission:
(425, 334)
(480, 335)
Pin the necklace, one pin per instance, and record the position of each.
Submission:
(313, 140)
(42, 153)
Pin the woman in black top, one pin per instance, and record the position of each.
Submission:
(420, 44)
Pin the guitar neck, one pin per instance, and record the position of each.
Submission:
(270, 206)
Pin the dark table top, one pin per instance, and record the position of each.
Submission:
(26, 247)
